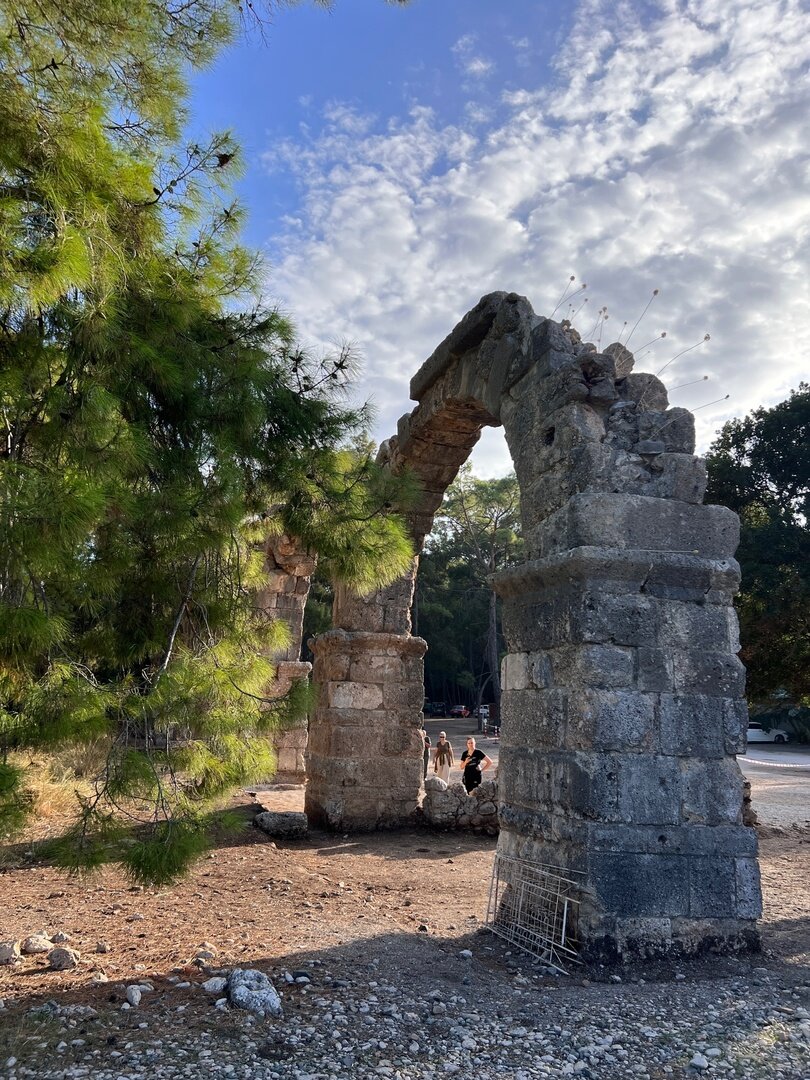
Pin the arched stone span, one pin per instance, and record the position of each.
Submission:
(623, 696)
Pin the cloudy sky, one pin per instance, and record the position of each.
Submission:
(403, 162)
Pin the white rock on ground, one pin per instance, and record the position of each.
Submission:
(37, 943)
(9, 952)
(252, 990)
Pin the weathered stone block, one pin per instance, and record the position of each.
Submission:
(589, 787)
(611, 720)
(698, 840)
(692, 725)
(641, 885)
(401, 740)
(653, 669)
(515, 671)
(647, 391)
(712, 887)
(749, 892)
(353, 695)
(404, 697)
(287, 825)
(713, 673)
(711, 792)
(636, 521)
(700, 627)
(735, 726)
(649, 789)
(534, 718)
(609, 666)
(675, 427)
(376, 669)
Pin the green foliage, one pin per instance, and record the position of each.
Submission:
(760, 467)
(476, 533)
(151, 414)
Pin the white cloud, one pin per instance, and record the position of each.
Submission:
(669, 153)
(470, 62)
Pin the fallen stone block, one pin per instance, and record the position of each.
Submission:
(287, 825)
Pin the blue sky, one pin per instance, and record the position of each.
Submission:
(402, 162)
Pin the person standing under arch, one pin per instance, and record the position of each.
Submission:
(443, 759)
(474, 762)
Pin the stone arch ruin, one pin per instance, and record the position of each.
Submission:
(623, 702)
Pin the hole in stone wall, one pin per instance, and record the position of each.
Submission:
(548, 438)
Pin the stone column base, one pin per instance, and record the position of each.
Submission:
(621, 716)
(290, 742)
(364, 761)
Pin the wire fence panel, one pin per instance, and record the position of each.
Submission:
(534, 907)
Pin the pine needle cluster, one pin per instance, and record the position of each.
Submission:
(151, 410)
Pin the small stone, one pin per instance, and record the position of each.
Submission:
(713, 1052)
(37, 943)
(102, 947)
(699, 1062)
(215, 985)
(63, 959)
(205, 951)
(466, 954)
(60, 937)
(9, 952)
(133, 995)
(99, 977)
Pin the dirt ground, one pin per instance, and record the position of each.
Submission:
(276, 905)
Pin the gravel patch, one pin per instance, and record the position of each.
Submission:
(367, 1020)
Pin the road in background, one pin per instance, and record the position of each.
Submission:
(780, 783)
(458, 729)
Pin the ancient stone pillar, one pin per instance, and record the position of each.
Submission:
(364, 761)
(623, 698)
(288, 569)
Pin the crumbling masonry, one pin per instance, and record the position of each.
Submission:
(623, 699)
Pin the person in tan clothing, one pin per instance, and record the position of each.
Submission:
(443, 758)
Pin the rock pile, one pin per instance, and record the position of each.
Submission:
(448, 806)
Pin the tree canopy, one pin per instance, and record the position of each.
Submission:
(152, 412)
(476, 533)
(760, 467)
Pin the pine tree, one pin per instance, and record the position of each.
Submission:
(151, 412)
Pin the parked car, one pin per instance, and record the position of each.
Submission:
(435, 708)
(757, 733)
(459, 710)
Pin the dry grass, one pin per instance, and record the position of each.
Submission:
(54, 782)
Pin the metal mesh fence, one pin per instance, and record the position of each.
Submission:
(535, 907)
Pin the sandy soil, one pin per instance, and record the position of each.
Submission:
(274, 905)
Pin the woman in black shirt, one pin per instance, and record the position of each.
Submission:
(473, 762)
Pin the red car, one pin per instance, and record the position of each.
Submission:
(459, 710)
